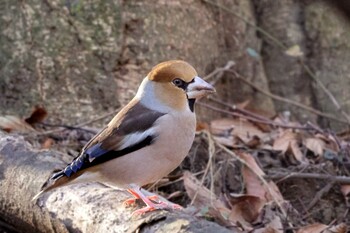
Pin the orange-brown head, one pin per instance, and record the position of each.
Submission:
(169, 70)
(172, 85)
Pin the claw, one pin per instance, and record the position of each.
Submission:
(159, 206)
(152, 202)
(129, 202)
(132, 201)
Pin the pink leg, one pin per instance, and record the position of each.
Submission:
(151, 205)
(131, 201)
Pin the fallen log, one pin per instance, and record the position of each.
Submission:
(76, 208)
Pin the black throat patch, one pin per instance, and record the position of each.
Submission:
(191, 104)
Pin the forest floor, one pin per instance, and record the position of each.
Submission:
(247, 172)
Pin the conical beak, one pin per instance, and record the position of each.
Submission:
(199, 88)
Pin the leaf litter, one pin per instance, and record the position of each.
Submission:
(244, 182)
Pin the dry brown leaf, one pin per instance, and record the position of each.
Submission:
(240, 128)
(340, 228)
(345, 189)
(254, 184)
(314, 228)
(321, 228)
(316, 145)
(14, 124)
(37, 116)
(202, 126)
(330, 142)
(244, 104)
(296, 152)
(204, 198)
(201, 195)
(288, 141)
(47, 144)
(282, 143)
(274, 226)
(245, 207)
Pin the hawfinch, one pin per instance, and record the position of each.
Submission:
(146, 140)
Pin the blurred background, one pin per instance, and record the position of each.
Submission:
(81, 59)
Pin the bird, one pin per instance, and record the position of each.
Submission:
(146, 140)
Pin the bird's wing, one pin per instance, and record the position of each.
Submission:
(130, 130)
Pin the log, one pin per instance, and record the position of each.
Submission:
(77, 208)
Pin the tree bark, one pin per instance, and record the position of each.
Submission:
(76, 208)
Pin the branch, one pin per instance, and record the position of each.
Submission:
(252, 119)
(285, 100)
(282, 175)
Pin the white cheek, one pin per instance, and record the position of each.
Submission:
(147, 97)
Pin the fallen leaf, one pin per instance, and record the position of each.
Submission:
(204, 199)
(296, 152)
(245, 207)
(288, 141)
(314, 228)
(37, 116)
(294, 51)
(340, 228)
(14, 124)
(345, 189)
(282, 142)
(274, 226)
(330, 143)
(202, 126)
(316, 145)
(244, 104)
(242, 129)
(254, 184)
(47, 144)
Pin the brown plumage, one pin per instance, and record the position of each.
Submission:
(146, 140)
(167, 71)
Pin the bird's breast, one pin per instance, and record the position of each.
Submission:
(175, 135)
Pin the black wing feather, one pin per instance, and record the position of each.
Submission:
(103, 146)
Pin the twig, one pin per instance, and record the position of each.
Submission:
(261, 178)
(174, 181)
(68, 127)
(219, 72)
(328, 93)
(319, 195)
(235, 108)
(77, 126)
(285, 100)
(211, 150)
(272, 123)
(337, 179)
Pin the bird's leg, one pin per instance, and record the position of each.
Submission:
(131, 201)
(150, 204)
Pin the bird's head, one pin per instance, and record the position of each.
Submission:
(174, 83)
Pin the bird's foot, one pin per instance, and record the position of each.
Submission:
(132, 201)
(159, 206)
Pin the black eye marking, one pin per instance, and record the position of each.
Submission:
(178, 82)
(181, 83)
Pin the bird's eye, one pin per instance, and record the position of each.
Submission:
(178, 82)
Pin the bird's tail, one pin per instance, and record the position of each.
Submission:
(56, 180)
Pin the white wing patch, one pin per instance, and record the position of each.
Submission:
(135, 138)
